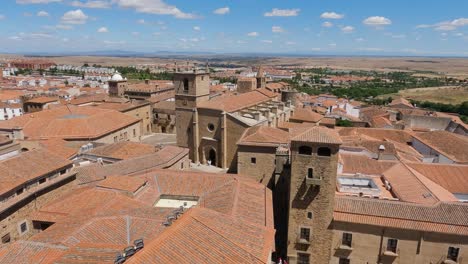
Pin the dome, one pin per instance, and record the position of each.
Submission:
(117, 77)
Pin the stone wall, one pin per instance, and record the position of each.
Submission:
(311, 205)
(17, 214)
(414, 247)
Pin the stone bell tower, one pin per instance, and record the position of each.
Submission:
(191, 88)
(314, 159)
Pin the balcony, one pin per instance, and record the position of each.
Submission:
(390, 253)
(302, 241)
(314, 181)
(345, 247)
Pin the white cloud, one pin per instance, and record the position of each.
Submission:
(277, 29)
(282, 12)
(25, 2)
(135, 33)
(222, 11)
(2, 17)
(347, 29)
(157, 7)
(377, 21)
(253, 34)
(332, 45)
(267, 41)
(196, 28)
(290, 43)
(327, 24)
(447, 25)
(42, 14)
(102, 30)
(241, 42)
(91, 4)
(331, 15)
(360, 39)
(141, 21)
(315, 49)
(75, 17)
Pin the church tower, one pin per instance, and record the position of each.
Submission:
(117, 85)
(191, 88)
(314, 159)
(261, 80)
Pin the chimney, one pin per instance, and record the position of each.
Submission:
(281, 106)
(257, 115)
(381, 150)
(288, 103)
(18, 133)
(266, 113)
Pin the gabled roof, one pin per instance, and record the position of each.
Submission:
(362, 164)
(306, 114)
(264, 136)
(123, 150)
(449, 218)
(454, 178)
(233, 103)
(28, 166)
(316, 134)
(71, 122)
(411, 186)
(233, 222)
(454, 146)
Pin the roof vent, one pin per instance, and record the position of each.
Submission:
(382, 148)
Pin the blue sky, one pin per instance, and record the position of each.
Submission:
(355, 27)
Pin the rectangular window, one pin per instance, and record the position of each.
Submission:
(253, 160)
(134, 132)
(344, 261)
(309, 215)
(23, 227)
(453, 253)
(116, 139)
(310, 173)
(347, 239)
(305, 234)
(62, 172)
(303, 258)
(41, 181)
(392, 245)
(6, 238)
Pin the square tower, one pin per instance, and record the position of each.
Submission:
(314, 159)
(117, 85)
(191, 88)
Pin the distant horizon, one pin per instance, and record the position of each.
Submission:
(128, 53)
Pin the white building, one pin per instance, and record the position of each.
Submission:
(8, 111)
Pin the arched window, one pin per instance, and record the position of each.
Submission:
(324, 151)
(305, 150)
(186, 85)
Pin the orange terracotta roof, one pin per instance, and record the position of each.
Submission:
(410, 186)
(123, 150)
(451, 145)
(164, 158)
(235, 103)
(362, 164)
(306, 114)
(233, 222)
(42, 100)
(401, 136)
(28, 166)
(59, 147)
(401, 101)
(449, 218)
(119, 183)
(454, 178)
(264, 136)
(70, 122)
(317, 134)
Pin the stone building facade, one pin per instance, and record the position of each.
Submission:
(211, 127)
